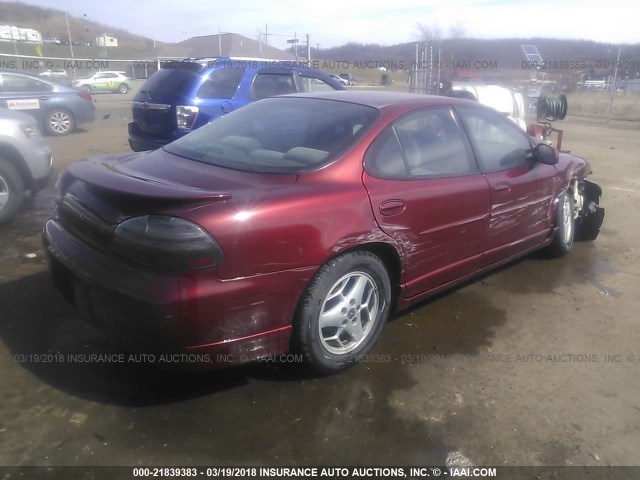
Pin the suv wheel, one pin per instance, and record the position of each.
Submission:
(11, 191)
(59, 122)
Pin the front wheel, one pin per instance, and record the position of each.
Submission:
(123, 88)
(11, 191)
(343, 311)
(565, 223)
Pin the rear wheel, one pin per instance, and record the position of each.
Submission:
(565, 222)
(11, 191)
(59, 122)
(343, 311)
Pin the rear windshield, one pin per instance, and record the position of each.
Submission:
(166, 81)
(278, 135)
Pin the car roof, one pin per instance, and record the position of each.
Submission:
(59, 86)
(384, 99)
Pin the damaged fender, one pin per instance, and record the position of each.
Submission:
(591, 215)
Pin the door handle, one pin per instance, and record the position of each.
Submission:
(392, 207)
(43, 98)
(502, 187)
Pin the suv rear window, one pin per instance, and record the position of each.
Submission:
(170, 81)
(278, 135)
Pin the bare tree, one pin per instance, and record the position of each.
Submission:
(457, 30)
(429, 33)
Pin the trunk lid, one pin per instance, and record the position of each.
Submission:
(114, 188)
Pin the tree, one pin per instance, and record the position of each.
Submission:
(428, 33)
(457, 30)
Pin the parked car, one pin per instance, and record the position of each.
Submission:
(54, 73)
(349, 78)
(302, 221)
(25, 161)
(58, 107)
(115, 82)
(182, 96)
(339, 79)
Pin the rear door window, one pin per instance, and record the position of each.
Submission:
(222, 83)
(272, 84)
(310, 83)
(422, 144)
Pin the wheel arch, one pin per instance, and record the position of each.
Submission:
(11, 154)
(389, 256)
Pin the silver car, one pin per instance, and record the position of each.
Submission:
(26, 162)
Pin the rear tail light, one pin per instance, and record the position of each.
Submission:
(186, 116)
(166, 243)
(86, 95)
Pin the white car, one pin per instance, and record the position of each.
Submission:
(339, 79)
(54, 73)
(106, 81)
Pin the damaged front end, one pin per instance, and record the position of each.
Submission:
(589, 213)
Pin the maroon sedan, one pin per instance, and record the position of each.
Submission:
(301, 222)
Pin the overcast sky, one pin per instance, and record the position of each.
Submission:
(334, 22)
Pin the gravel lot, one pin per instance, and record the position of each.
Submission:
(536, 364)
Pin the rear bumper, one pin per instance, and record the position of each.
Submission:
(233, 322)
(140, 141)
(85, 113)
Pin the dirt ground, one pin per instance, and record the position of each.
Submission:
(536, 364)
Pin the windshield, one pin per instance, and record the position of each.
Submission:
(278, 135)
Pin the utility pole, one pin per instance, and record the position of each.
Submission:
(308, 51)
(613, 87)
(73, 67)
(439, 65)
(259, 40)
(219, 43)
(266, 34)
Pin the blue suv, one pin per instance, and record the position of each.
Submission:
(184, 95)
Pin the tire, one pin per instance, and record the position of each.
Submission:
(59, 122)
(566, 227)
(11, 191)
(123, 88)
(355, 287)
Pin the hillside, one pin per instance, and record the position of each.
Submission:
(506, 52)
(51, 23)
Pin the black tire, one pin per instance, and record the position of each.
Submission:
(566, 227)
(11, 189)
(343, 273)
(59, 122)
(123, 88)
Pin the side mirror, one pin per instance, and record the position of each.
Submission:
(546, 154)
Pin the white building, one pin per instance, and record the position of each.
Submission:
(11, 33)
(105, 40)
